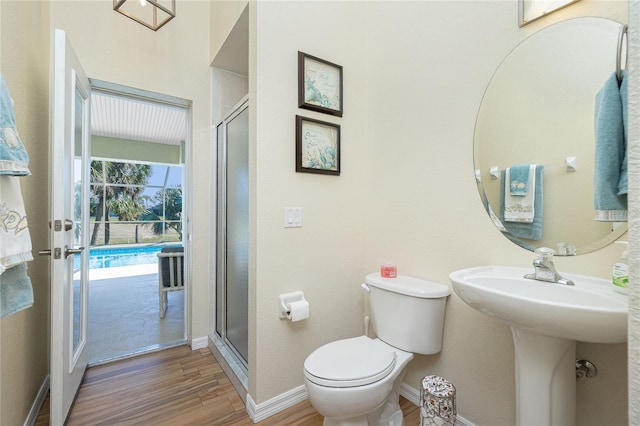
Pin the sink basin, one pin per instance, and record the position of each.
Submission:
(590, 311)
(546, 320)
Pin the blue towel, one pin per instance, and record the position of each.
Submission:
(533, 230)
(16, 292)
(519, 179)
(14, 160)
(609, 184)
(622, 183)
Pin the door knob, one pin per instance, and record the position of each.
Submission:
(57, 225)
(68, 251)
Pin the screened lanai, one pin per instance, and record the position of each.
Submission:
(136, 174)
(135, 183)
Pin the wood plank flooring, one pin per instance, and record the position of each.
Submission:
(176, 386)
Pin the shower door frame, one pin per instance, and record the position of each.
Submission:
(235, 360)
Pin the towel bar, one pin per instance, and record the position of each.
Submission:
(621, 34)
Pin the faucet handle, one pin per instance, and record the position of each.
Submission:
(544, 253)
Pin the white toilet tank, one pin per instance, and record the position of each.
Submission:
(407, 312)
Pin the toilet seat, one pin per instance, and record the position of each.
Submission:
(358, 361)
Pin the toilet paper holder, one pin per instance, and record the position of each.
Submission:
(285, 301)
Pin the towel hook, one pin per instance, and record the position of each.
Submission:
(621, 35)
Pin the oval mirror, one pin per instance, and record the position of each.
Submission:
(538, 109)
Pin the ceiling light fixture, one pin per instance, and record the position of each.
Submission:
(151, 17)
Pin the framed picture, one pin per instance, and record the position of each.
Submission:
(319, 85)
(530, 10)
(317, 146)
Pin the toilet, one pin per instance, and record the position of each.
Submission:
(356, 381)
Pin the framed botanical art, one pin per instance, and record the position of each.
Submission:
(319, 85)
(317, 146)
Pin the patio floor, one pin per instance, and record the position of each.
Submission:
(123, 313)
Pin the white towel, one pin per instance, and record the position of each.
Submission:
(496, 219)
(14, 159)
(520, 208)
(15, 240)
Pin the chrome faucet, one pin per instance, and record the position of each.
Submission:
(545, 270)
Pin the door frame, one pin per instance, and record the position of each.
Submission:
(123, 91)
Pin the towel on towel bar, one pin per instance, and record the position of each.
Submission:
(532, 230)
(16, 292)
(623, 182)
(15, 240)
(14, 159)
(519, 208)
(610, 174)
(519, 176)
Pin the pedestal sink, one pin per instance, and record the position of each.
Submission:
(546, 320)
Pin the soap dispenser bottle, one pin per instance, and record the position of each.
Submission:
(620, 275)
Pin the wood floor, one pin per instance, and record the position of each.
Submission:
(174, 387)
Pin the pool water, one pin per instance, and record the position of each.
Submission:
(122, 256)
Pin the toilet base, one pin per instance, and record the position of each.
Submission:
(388, 414)
(394, 418)
(356, 421)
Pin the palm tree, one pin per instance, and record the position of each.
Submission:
(171, 216)
(121, 194)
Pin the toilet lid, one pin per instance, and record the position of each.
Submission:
(351, 362)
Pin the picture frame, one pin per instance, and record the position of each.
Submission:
(317, 146)
(530, 10)
(319, 85)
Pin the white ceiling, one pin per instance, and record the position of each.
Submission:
(133, 119)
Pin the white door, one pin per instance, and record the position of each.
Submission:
(69, 220)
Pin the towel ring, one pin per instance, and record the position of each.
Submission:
(621, 35)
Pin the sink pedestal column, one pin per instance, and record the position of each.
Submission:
(545, 379)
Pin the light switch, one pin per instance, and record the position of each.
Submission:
(292, 217)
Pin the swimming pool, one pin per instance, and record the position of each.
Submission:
(122, 256)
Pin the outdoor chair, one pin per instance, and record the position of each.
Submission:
(170, 274)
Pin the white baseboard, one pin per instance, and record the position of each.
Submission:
(37, 403)
(259, 412)
(410, 393)
(199, 343)
(413, 395)
(276, 404)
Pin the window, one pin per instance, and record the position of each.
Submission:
(135, 203)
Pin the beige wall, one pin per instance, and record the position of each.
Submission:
(324, 257)
(415, 73)
(24, 337)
